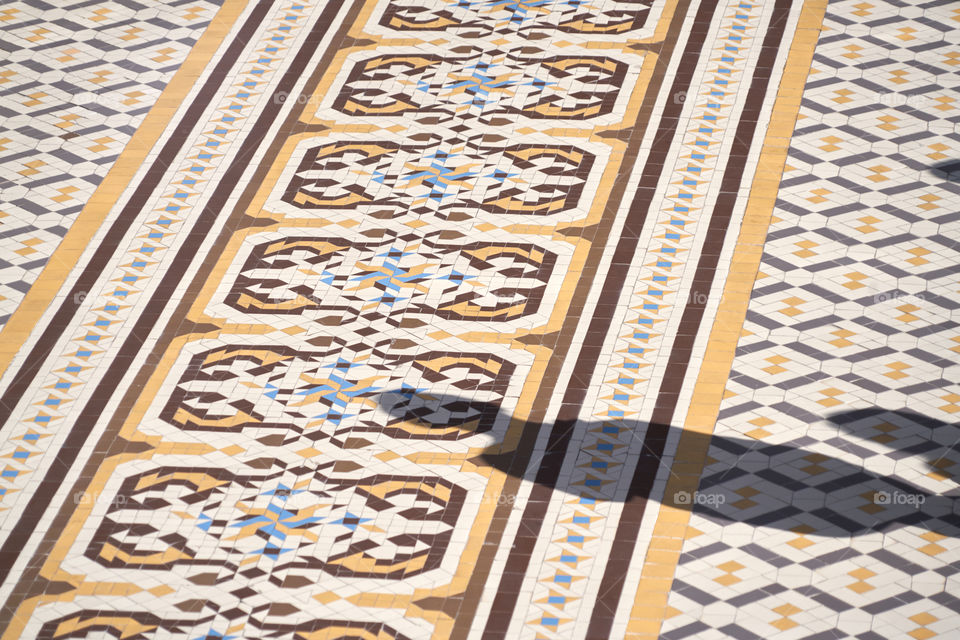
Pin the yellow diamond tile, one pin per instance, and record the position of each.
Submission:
(939, 147)
(906, 33)
(785, 610)
(801, 541)
(939, 471)
(831, 143)
(860, 587)
(908, 310)
(830, 400)
(897, 76)
(946, 103)
(918, 253)
(815, 468)
(928, 202)
(896, 372)
(933, 548)
(885, 430)
(842, 96)
(878, 172)
(888, 121)
(131, 34)
(842, 335)
(867, 226)
(775, 362)
(854, 280)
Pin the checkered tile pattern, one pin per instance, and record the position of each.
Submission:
(838, 433)
(76, 80)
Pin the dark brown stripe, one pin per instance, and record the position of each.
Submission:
(128, 215)
(560, 342)
(465, 605)
(30, 582)
(618, 563)
(535, 510)
(171, 278)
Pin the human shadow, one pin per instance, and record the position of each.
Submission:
(875, 473)
(947, 170)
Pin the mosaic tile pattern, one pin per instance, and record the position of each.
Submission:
(147, 252)
(76, 80)
(612, 439)
(838, 434)
(492, 299)
(399, 331)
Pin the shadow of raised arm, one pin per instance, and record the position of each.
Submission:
(836, 487)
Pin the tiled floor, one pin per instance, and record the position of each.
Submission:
(480, 319)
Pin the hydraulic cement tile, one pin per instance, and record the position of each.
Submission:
(423, 319)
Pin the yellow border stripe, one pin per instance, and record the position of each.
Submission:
(659, 565)
(54, 274)
(43, 292)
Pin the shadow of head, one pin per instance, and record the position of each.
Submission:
(878, 470)
(947, 170)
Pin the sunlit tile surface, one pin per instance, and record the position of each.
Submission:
(401, 319)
